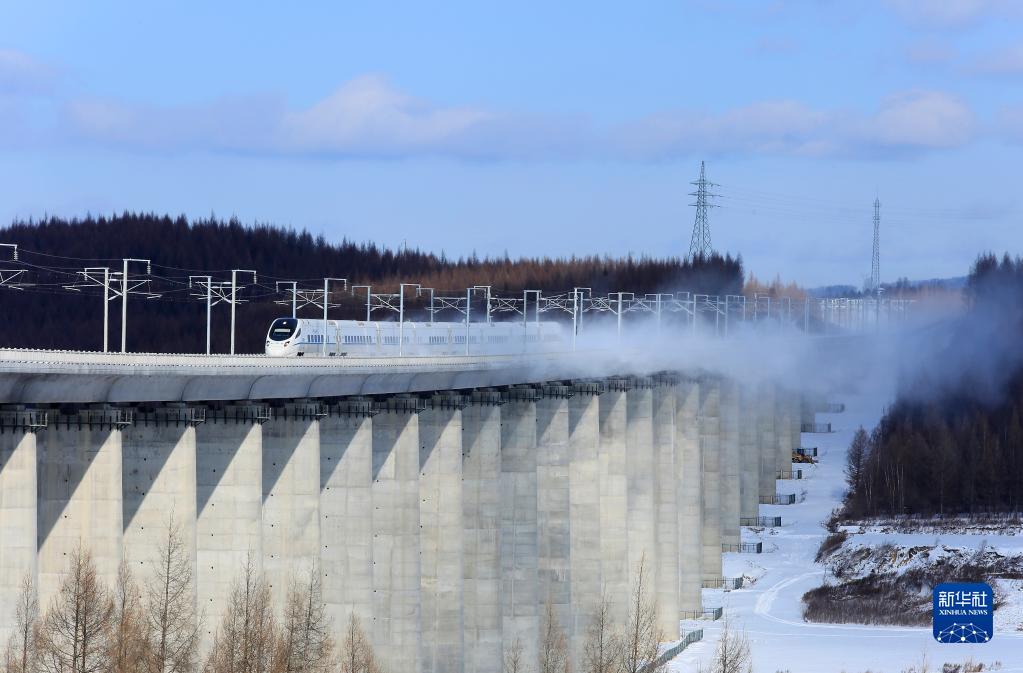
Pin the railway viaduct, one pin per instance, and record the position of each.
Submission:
(445, 501)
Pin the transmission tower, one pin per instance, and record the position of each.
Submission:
(700, 245)
(875, 264)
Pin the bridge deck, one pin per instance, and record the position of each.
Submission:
(42, 376)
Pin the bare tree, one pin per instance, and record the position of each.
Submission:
(641, 640)
(602, 650)
(172, 625)
(245, 641)
(127, 633)
(305, 644)
(20, 655)
(513, 659)
(553, 643)
(733, 654)
(356, 652)
(75, 634)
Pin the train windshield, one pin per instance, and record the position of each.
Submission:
(283, 328)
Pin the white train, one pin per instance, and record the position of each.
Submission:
(355, 338)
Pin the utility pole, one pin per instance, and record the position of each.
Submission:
(206, 281)
(234, 291)
(344, 286)
(875, 262)
(294, 294)
(369, 298)
(124, 297)
(401, 313)
(700, 245)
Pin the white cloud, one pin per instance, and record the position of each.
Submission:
(912, 121)
(22, 74)
(952, 13)
(366, 117)
(931, 52)
(1007, 61)
(918, 120)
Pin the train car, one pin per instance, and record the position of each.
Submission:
(297, 337)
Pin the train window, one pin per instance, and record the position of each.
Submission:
(282, 328)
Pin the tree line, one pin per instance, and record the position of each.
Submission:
(53, 249)
(953, 441)
(155, 627)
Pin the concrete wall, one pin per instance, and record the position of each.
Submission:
(229, 505)
(443, 522)
(690, 506)
(730, 464)
(767, 440)
(80, 496)
(710, 448)
(440, 516)
(346, 512)
(397, 625)
(158, 474)
(749, 454)
(614, 508)
(667, 506)
(584, 514)
(481, 521)
(18, 516)
(520, 595)
(291, 496)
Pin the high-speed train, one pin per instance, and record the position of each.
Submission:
(355, 338)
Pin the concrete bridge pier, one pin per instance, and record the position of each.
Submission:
(396, 628)
(690, 505)
(641, 474)
(664, 568)
(481, 502)
(291, 495)
(346, 512)
(159, 473)
(80, 494)
(731, 464)
(520, 595)
(18, 509)
(584, 510)
(440, 514)
(767, 440)
(553, 505)
(229, 503)
(711, 449)
(749, 454)
(783, 430)
(614, 508)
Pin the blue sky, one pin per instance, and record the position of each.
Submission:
(534, 128)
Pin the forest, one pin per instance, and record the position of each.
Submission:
(52, 309)
(952, 443)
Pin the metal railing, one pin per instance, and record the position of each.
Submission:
(688, 639)
(760, 521)
(712, 614)
(778, 499)
(22, 419)
(789, 474)
(815, 427)
(833, 408)
(805, 451)
(726, 583)
(744, 548)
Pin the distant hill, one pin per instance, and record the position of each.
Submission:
(903, 285)
(51, 251)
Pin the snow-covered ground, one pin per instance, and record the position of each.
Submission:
(769, 611)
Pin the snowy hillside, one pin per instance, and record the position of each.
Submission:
(770, 610)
